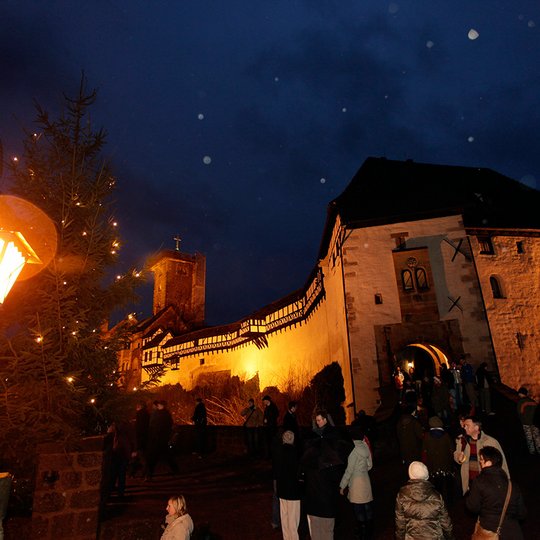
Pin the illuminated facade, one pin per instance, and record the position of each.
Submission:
(418, 265)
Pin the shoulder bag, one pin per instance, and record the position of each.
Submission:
(483, 534)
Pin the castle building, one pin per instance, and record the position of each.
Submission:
(418, 265)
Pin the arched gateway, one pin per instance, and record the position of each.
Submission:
(426, 359)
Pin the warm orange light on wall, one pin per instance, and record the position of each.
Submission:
(15, 252)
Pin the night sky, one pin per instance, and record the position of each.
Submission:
(235, 123)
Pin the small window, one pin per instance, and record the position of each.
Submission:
(401, 242)
(486, 245)
(519, 247)
(378, 298)
(421, 279)
(407, 280)
(495, 287)
(201, 362)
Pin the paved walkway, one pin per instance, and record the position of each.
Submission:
(230, 498)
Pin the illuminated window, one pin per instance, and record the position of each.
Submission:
(407, 280)
(421, 279)
(496, 288)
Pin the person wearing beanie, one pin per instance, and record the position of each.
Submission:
(420, 508)
(526, 409)
(437, 454)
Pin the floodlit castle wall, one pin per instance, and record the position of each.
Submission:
(368, 262)
(514, 319)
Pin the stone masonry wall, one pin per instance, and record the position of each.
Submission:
(514, 319)
(369, 273)
(68, 492)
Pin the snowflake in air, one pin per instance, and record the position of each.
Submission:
(207, 160)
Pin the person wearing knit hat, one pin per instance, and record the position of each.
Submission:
(418, 471)
(420, 508)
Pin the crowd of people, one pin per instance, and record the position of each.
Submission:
(446, 456)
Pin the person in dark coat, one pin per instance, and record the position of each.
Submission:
(199, 420)
(123, 445)
(322, 466)
(438, 455)
(410, 436)
(420, 510)
(142, 421)
(290, 423)
(526, 409)
(488, 493)
(159, 435)
(440, 399)
(270, 423)
(484, 381)
(285, 469)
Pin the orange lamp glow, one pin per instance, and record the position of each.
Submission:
(15, 252)
(28, 241)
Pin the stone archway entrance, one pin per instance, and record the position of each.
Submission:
(426, 359)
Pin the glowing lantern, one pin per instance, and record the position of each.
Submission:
(15, 252)
(28, 241)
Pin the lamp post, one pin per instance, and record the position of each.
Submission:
(27, 241)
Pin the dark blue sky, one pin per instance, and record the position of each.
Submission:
(286, 99)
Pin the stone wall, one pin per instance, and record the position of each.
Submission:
(69, 490)
(514, 318)
(373, 296)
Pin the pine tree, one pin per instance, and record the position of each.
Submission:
(58, 367)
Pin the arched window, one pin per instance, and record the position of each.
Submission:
(496, 288)
(421, 279)
(407, 280)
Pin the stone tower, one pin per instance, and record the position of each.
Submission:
(179, 280)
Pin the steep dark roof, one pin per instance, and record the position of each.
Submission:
(386, 191)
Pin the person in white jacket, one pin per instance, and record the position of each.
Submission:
(356, 479)
(179, 523)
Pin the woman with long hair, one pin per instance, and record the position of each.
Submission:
(179, 523)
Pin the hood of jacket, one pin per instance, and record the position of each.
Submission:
(419, 490)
